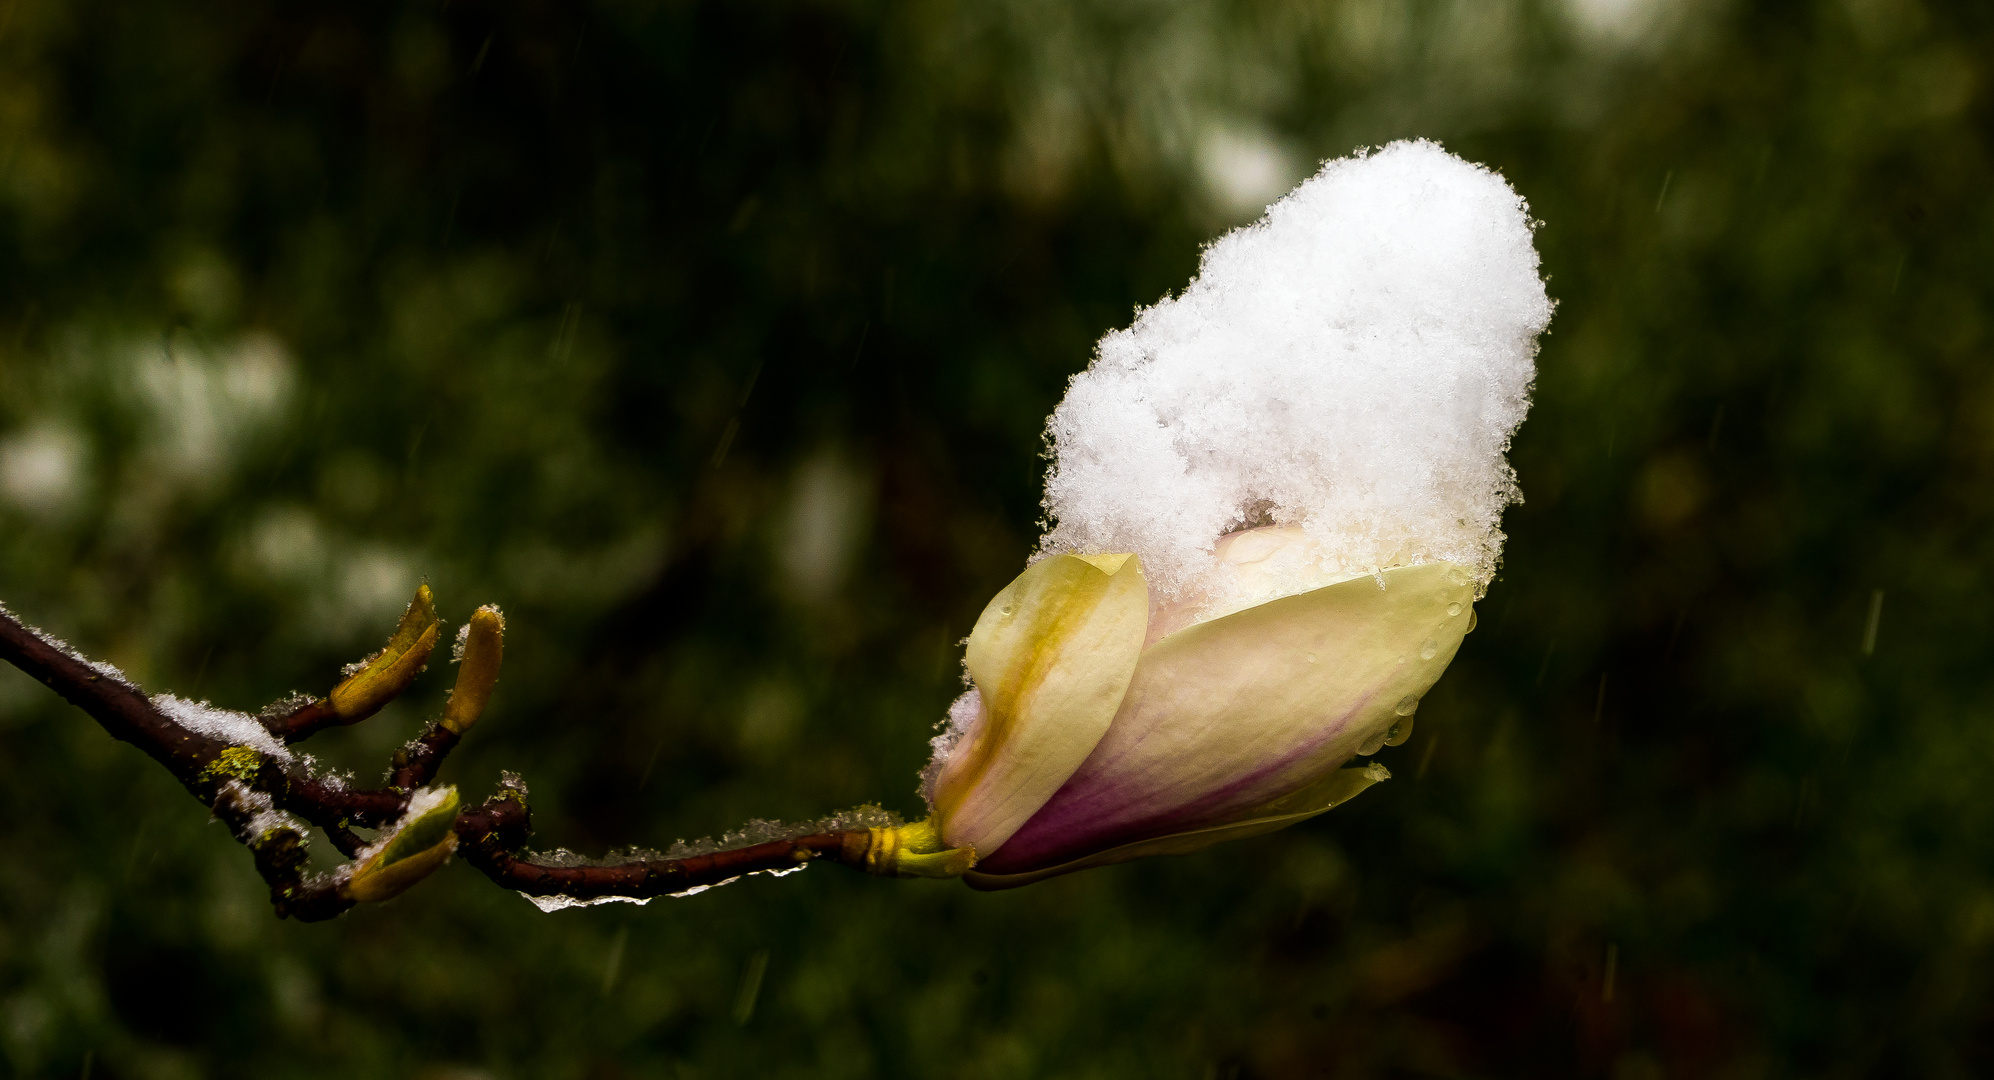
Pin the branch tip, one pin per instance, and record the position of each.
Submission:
(478, 669)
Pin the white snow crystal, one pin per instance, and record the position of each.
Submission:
(964, 713)
(463, 640)
(1354, 364)
(103, 669)
(263, 815)
(233, 728)
(551, 904)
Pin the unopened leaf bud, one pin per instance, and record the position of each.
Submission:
(389, 671)
(419, 843)
(477, 670)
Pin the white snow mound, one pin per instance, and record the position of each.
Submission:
(1353, 364)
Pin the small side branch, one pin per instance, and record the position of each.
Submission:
(297, 720)
(250, 790)
(266, 803)
(415, 764)
(489, 837)
(279, 851)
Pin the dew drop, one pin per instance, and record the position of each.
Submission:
(1453, 609)
(1372, 745)
(1311, 658)
(1400, 732)
(1406, 705)
(1007, 609)
(1474, 618)
(1427, 650)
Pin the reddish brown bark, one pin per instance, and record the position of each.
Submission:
(491, 837)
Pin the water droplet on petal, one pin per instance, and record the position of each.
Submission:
(1453, 609)
(1311, 658)
(1007, 609)
(1427, 650)
(1474, 619)
(1372, 745)
(1400, 732)
(1406, 705)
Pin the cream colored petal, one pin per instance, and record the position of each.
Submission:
(1051, 656)
(1335, 789)
(1254, 566)
(1229, 714)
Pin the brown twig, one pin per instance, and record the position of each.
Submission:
(253, 792)
(415, 764)
(489, 836)
(326, 804)
(123, 709)
(299, 718)
(279, 851)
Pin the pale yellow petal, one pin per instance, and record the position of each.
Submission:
(1226, 715)
(1051, 657)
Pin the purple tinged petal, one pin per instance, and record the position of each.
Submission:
(1228, 715)
(1051, 656)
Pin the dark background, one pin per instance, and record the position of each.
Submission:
(715, 341)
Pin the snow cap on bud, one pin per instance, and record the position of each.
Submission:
(1352, 364)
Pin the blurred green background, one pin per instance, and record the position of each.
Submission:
(715, 341)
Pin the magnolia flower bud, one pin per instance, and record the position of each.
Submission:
(1301, 461)
(1079, 746)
